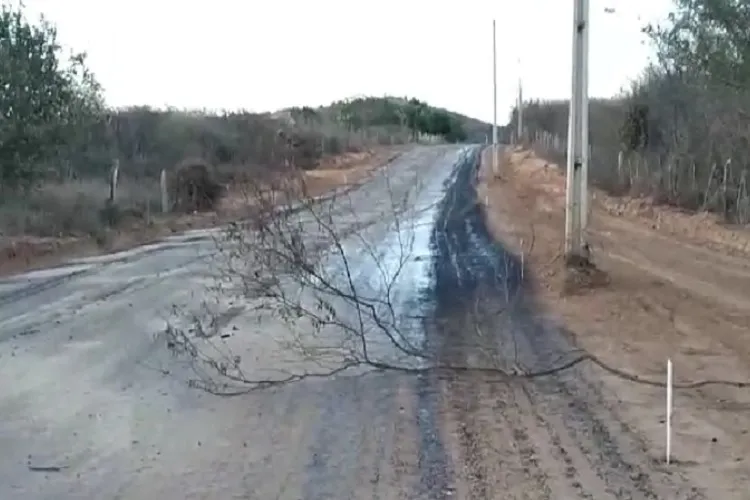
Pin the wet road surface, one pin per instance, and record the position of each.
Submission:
(93, 406)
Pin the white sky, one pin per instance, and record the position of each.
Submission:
(265, 55)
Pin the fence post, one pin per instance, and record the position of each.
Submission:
(741, 204)
(724, 187)
(164, 194)
(668, 420)
(113, 180)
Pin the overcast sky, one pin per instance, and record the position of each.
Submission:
(265, 55)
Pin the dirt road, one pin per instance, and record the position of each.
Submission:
(93, 406)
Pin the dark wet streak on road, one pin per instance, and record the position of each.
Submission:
(437, 473)
(458, 269)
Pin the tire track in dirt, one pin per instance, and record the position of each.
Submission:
(435, 471)
(347, 432)
(365, 442)
(611, 450)
(89, 268)
(400, 476)
(471, 453)
(496, 457)
(499, 460)
(556, 433)
(41, 286)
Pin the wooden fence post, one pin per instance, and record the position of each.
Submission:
(724, 187)
(113, 180)
(164, 194)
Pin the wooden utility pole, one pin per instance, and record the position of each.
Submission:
(576, 199)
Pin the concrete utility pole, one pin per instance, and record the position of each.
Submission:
(494, 100)
(519, 105)
(576, 199)
(585, 146)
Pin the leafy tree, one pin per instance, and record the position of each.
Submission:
(48, 104)
(415, 115)
(309, 115)
(687, 118)
(710, 37)
(416, 118)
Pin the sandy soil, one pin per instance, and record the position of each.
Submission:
(678, 287)
(20, 254)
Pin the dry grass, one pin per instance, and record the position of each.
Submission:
(60, 220)
(696, 163)
(75, 208)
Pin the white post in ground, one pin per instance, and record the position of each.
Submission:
(669, 410)
(576, 189)
(494, 100)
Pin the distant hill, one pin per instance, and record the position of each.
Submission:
(391, 115)
(476, 130)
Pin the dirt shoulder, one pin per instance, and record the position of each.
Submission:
(678, 287)
(19, 254)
